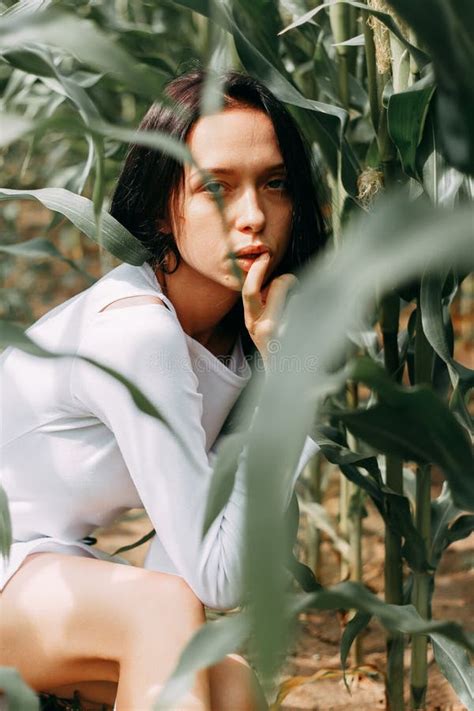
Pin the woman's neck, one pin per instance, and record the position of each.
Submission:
(207, 311)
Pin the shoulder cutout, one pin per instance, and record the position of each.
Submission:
(133, 301)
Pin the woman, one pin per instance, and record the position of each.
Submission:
(76, 452)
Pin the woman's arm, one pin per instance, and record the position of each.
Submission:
(147, 345)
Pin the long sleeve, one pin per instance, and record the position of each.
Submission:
(158, 559)
(147, 345)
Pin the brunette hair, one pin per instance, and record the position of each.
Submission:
(150, 178)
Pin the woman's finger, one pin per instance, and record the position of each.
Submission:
(251, 290)
(276, 296)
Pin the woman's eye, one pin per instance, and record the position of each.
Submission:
(278, 184)
(214, 188)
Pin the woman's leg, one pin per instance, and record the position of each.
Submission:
(67, 619)
(233, 684)
(71, 623)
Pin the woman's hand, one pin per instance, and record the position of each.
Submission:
(263, 308)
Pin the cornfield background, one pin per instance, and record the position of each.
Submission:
(383, 92)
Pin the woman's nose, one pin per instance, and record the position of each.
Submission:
(250, 216)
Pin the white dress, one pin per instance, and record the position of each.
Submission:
(75, 451)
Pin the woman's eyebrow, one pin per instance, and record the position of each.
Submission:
(229, 171)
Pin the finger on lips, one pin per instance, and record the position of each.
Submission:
(253, 283)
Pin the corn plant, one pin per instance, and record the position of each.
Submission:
(381, 90)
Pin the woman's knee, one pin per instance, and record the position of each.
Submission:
(235, 686)
(164, 612)
(76, 611)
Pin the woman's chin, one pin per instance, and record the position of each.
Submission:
(235, 279)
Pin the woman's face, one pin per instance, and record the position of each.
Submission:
(239, 148)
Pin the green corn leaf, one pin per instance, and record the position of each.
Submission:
(337, 453)
(415, 424)
(20, 697)
(40, 248)
(396, 618)
(445, 29)
(30, 61)
(211, 643)
(340, 22)
(462, 528)
(153, 139)
(357, 41)
(5, 526)
(223, 478)
(33, 59)
(455, 665)
(443, 513)
(82, 38)
(87, 110)
(417, 438)
(364, 482)
(462, 378)
(212, 97)
(395, 509)
(144, 539)
(22, 8)
(248, 14)
(354, 627)
(399, 519)
(406, 114)
(350, 463)
(13, 127)
(328, 80)
(441, 181)
(80, 211)
(420, 57)
(320, 519)
(256, 63)
(97, 127)
(303, 574)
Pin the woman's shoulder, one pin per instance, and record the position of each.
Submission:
(136, 288)
(132, 326)
(144, 343)
(124, 282)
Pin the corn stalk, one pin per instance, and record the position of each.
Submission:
(422, 580)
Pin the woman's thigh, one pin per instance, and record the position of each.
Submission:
(68, 619)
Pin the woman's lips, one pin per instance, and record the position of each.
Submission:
(246, 261)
